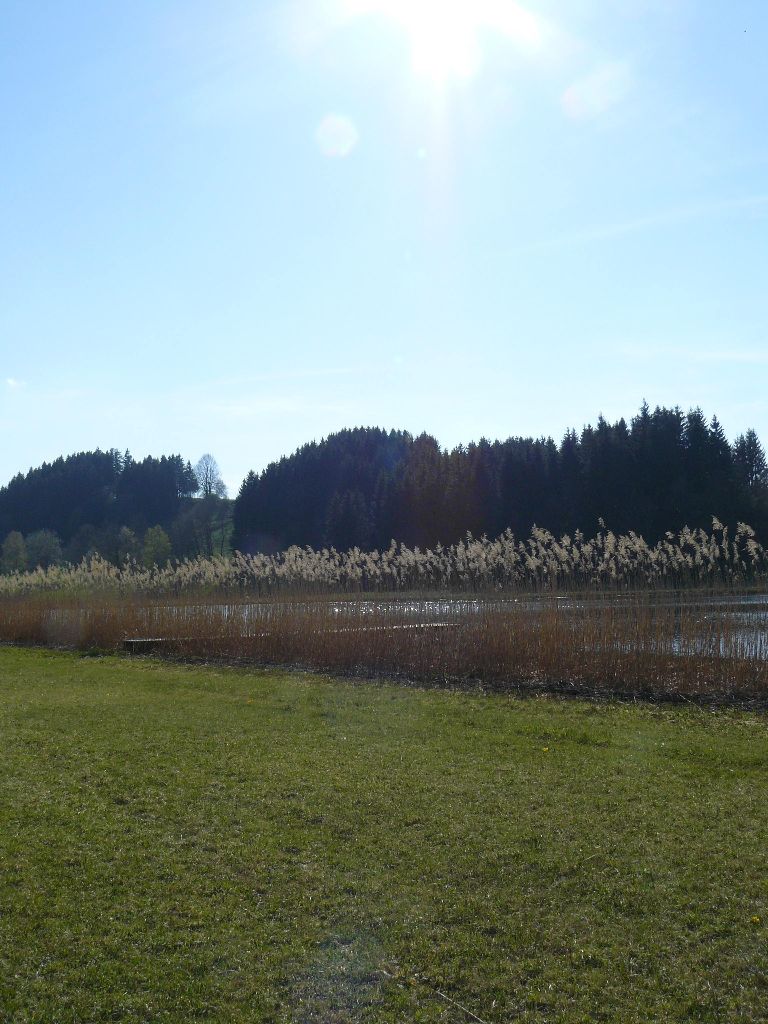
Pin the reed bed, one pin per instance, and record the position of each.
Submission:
(543, 564)
(609, 614)
(653, 645)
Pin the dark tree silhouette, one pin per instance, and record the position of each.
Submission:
(663, 470)
(366, 487)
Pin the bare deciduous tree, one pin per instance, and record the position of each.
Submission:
(209, 480)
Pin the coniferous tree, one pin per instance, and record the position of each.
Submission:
(366, 487)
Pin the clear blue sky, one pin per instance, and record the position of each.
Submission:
(235, 226)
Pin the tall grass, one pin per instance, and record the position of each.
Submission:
(496, 613)
(640, 644)
(542, 563)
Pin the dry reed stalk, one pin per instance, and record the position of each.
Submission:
(637, 644)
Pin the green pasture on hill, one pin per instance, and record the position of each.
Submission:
(184, 844)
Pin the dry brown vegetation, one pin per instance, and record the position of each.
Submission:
(658, 644)
(526, 623)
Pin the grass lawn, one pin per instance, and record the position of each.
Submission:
(186, 844)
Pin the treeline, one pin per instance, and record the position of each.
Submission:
(111, 504)
(663, 470)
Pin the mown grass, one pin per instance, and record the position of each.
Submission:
(184, 844)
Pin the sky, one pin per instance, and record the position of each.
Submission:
(235, 227)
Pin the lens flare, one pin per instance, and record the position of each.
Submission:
(336, 136)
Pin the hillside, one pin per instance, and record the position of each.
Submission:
(107, 502)
(364, 487)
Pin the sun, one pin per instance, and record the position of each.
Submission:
(445, 36)
(442, 35)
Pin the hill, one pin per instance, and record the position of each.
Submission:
(364, 487)
(106, 502)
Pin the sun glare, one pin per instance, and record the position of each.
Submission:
(445, 36)
(442, 36)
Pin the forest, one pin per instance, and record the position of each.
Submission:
(113, 505)
(364, 487)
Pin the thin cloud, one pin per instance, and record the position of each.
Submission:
(743, 357)
(747, 358)
(12, 384)
(256, 408)
(299, 374)
(668, 218)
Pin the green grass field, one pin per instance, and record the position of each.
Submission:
(185, 844)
